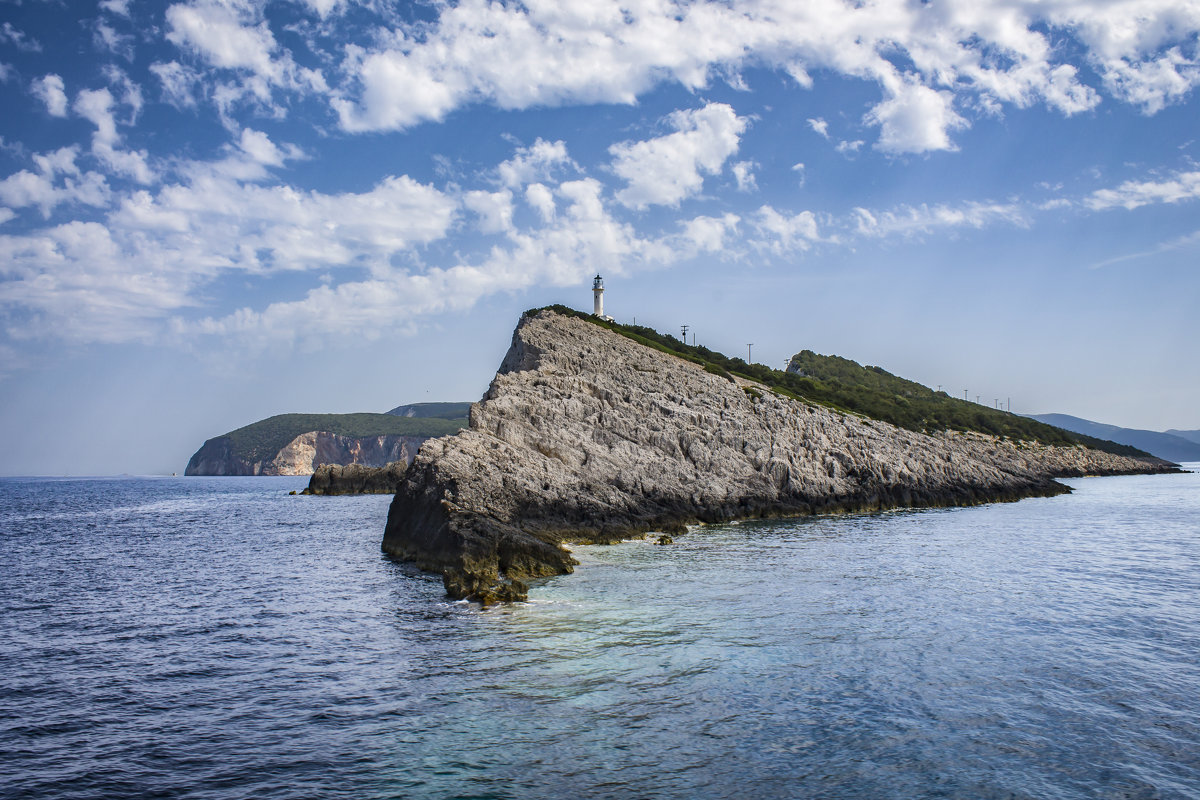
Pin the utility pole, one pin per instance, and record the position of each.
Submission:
(684, 327)
(748, 346)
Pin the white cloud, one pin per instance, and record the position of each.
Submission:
(231, 37)
(583, 239)
(915, 119)
(710, 234)
(541, 199)
(494, 209)
(782, 233)
(18, 39)
(1134, 194)
(743, 173)
(153, 255)
(846, 148)
(535, 163)
(820, 126)
(668, 169)
(967, 55)
(179, 83)
(107, 38)
(57, 180)
(119, 7)
(95, 105)
(923, 219)
(51, 91)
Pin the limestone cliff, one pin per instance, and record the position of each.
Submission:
(585, 435)
(303, 454)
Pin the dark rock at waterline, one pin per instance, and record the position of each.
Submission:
(338, 479)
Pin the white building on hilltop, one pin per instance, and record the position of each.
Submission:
(598, 296)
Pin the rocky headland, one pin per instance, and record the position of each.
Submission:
(304, 454)
(588, 436)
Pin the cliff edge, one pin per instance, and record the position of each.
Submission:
(588, 436)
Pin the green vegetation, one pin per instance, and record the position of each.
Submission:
(440, 410)
(873, 392)
(262, 440)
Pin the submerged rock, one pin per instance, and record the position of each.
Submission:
(587, 436)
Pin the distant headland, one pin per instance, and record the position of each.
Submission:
(297, 444)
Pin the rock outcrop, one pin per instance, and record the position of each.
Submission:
(336, 479)
(303, 454)
(587, 436)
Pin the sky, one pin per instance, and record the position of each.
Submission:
(213, 211)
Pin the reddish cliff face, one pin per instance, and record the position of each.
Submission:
(304, 454)
(585, 435)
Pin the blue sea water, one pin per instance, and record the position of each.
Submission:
(218, 638)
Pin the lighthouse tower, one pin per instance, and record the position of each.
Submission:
(598, 293)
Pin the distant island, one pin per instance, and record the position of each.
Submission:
(297, 444)
(1173, 445)
(593, 431)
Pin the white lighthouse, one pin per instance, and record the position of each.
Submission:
(598, 294)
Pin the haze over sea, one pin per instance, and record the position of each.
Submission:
(218, 638)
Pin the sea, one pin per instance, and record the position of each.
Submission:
(222, 638)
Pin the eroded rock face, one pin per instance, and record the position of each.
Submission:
(338, 479)
(587, 436)
(304, 454)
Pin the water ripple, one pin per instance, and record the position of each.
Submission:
(217, 638)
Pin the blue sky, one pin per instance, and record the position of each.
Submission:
(211, 212)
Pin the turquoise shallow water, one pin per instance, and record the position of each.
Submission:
(217, 638)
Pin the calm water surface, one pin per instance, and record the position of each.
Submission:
(218, 638)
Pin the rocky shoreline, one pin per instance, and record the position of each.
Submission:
(587, 436)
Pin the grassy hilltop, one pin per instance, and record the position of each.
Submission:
(845, 385)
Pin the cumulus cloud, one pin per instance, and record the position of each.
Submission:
(709, 234)
(584, 238)
(494, 209)
(668, 169)
(57, 180)
(119, 279)
(96, 106)
(986, 53)
(541, 199)
(1134, 194)
(915, 119)
(535, 163)
(820, 126)
(51, 91)
(233, 37)
(743, 173)
(782, 232)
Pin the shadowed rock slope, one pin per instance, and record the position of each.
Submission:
(587, 436)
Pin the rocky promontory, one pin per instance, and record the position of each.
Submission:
(304, 454)
(297, 444)
(588, 436)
